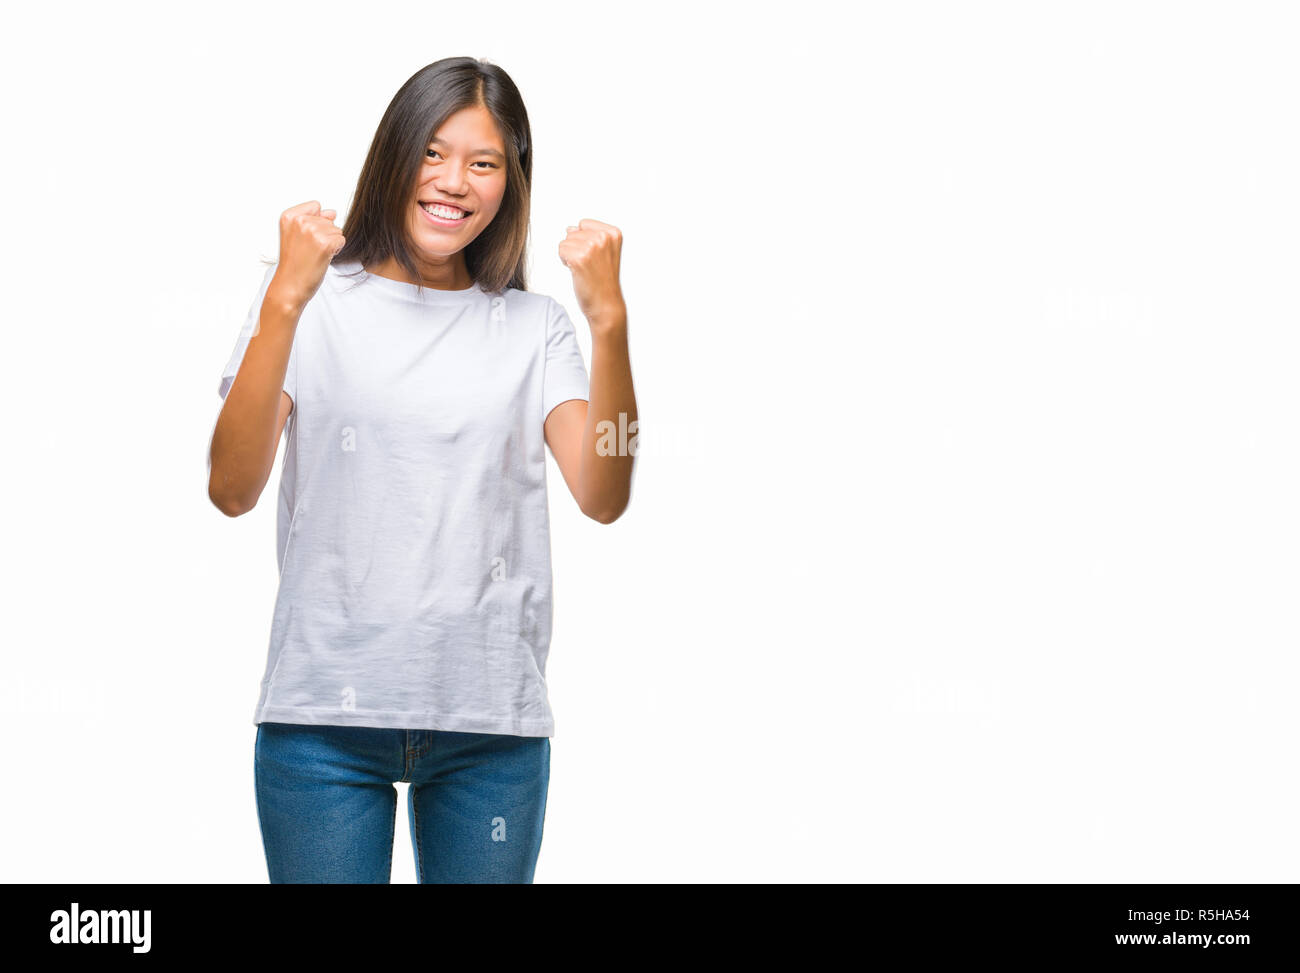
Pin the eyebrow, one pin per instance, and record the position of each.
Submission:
(491, 152)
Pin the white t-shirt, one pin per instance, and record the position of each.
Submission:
(412, 530)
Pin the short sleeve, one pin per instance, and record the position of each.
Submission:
(246, 335)
(565, 375)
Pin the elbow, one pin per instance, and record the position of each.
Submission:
(228, 502)
(604, 509)
(229, 506)
(230, 485)
(604, 515)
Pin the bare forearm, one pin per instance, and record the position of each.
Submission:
(605, 477)
(247, 431)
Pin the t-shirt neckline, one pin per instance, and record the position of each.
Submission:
(402, 289)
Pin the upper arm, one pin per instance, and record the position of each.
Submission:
(564, 427)
(216, 479)
(286, 406)
(565, 387)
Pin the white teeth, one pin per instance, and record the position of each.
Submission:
(446, 212)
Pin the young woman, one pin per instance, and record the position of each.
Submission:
(419, 382)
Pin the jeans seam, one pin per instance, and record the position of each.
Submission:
(406, 756)
(419, 851)
(257, 794)
(392, 836)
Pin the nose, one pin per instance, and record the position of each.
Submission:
(450, 181)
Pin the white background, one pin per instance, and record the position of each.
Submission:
(963, 540)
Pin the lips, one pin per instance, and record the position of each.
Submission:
(426, 203)
(445, 222)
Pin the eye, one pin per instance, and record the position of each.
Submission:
(481, 162)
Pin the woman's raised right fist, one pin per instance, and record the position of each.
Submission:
(308, 242)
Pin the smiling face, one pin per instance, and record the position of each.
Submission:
(465, 168)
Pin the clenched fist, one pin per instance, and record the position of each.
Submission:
(591, 250)
(308, 242)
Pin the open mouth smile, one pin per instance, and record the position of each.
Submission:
(443, 214)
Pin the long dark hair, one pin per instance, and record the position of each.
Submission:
(376, 226)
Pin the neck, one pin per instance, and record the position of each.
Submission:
(451, 276)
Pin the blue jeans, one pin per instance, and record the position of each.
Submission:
(327, 804)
